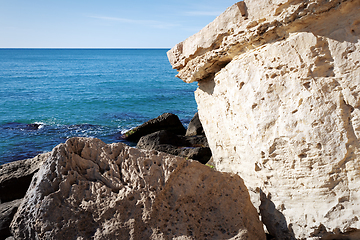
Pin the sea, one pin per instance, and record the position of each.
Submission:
(50, 95)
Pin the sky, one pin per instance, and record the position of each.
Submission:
(105, 23)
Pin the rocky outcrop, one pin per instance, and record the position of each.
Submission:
(191, 147)
(278, 97)
(166, 121)
(167, 134)
(91, 190)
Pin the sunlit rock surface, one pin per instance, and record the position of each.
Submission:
(278, 97)
(87, 189)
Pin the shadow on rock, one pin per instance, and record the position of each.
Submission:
(274, 220)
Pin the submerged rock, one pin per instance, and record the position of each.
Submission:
(91, 190)
(279, 100)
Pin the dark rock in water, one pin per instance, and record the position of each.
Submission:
(194, 147)
(15, 177)
(32, 126)
(13, 125)
(166, 121)
(166, 134)
(195, 127)
(7, 212)
(22, 126)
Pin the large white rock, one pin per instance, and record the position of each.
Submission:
(279, 100)
(87, 189)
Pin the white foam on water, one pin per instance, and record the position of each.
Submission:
(41, 124)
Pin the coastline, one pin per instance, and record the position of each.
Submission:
(83, 93)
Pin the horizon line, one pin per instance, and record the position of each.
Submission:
(89, 48)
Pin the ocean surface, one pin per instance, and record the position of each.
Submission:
(50, 95)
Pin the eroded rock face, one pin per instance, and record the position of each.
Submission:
(279, 101)
(90, 190)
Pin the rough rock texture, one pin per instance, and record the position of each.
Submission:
(90, 190)
(15, 177)
(279, 100)
(166, 121)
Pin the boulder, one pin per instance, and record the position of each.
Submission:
(195, 127)
(201, 154)
(166, 121)
(197, 141)
(193, 147)
(15, 177)
(279, 100)
(161, 137)
(87, 189)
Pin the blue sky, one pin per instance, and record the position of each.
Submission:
(105, 23)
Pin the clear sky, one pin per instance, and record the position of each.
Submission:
(103, 23)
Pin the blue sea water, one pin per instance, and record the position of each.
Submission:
(50, 95)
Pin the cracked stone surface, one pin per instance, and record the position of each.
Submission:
(278, 97)
(87, 189)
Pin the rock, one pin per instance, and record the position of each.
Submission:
(7, 212)
(33, 126)
(166, 121)
(91, 190)
(195, 127)
(23, 126)
(279, 101)
(15, 177)
(201, 154)
(193, 147)
(161, 137)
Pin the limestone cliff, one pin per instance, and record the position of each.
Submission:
(279, 100)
